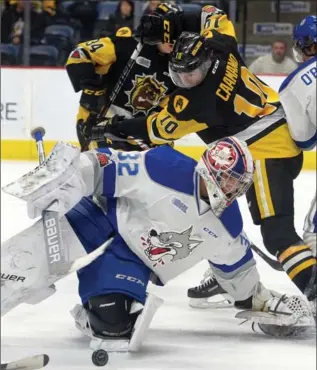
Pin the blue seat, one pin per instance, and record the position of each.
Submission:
(43, 55)
(105, 9)
(9, 54)
(59, 35)
(187, 7)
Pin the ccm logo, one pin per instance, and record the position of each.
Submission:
(130, 278)
(54, 251)
(167, 30)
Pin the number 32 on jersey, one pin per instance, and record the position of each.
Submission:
(129, 164)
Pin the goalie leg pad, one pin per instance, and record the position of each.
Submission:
(277, 314)
(25, 264)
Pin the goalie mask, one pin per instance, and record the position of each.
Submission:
(227, 171)
(190, 60)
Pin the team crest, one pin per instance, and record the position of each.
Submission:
(104, 159)
(145, 94)
(170, 246)
(180, 103)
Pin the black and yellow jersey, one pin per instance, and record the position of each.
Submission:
(230, 101)
(145, 87)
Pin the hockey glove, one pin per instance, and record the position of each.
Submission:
(164, 25)
(93, 94)
(84, 130)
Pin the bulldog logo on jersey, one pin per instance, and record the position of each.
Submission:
(145, 94)
(172, 244)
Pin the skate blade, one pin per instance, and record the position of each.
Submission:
(215, 302)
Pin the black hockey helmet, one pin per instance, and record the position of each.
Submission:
(190, 60)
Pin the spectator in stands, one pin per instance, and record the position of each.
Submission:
(49, 6)
(276, 63)
(150, 6)
(12, 23)
(123, 17)
(86, 13)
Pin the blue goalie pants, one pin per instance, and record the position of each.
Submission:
(118, 270)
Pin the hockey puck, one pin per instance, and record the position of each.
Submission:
(100, 357)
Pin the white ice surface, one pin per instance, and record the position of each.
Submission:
(179, 337)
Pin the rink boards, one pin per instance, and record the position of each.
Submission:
(33, 97)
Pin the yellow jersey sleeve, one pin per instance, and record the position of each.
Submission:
(215, 19)
(101, 53)
(164, 127)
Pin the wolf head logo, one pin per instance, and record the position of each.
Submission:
(178, 245)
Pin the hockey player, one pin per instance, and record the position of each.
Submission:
(94, 68)
(166, 212)
(298, 97)
(218, 96)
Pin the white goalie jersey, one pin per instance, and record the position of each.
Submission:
(164, 221)
(298, 97)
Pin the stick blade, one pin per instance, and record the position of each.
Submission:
(27, 363)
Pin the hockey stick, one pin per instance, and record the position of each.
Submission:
(52, 234)
(270, 261)
(115, 91)
(27, 363)
(59, 265)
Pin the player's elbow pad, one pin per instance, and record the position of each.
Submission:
(79, 72)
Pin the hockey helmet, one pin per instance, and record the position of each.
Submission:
(190, 60)
(226, 168)
(304, 37)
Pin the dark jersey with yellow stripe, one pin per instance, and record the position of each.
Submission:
(230, 101)
(102, 61)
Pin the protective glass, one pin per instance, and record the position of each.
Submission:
(189, 79)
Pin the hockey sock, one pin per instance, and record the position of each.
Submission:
(298, 262)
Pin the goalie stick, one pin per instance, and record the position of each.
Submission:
(27, 363)
(50, 219)
(49, 216)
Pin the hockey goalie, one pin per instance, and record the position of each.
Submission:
(154, 206)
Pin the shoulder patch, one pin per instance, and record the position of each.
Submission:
(124, 32)
(180, 103)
